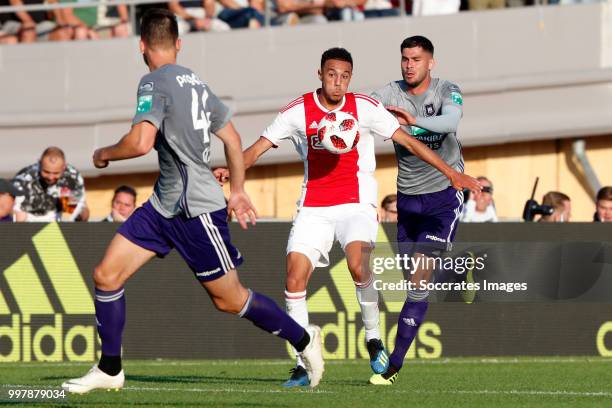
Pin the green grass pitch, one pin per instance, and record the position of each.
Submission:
(457, 382)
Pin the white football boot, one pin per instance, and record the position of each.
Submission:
(313, 355)
(94, 379)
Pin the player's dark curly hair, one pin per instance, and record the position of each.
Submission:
(158, 27)
(336, 53)
(418, 41)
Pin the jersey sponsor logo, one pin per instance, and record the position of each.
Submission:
(432, 140)
(457, 98)
(415, 130)
(145, 103)
(46, 303)
(146, 87)
(188, 79)
(314, 125)
(434, 238)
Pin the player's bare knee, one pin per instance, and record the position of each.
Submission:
(296, 283)
(105, 279)
(297, 278)
(358, 272)
(230, 305)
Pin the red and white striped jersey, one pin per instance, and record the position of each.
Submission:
(332, 179)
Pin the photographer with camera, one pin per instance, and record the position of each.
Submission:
(561, 207)
(479, 207)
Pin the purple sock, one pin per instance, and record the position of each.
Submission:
(264, 313)
(110, 318)
(410, 318)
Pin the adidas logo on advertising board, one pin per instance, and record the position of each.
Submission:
(49, 322)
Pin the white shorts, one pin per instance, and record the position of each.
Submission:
(315, 229)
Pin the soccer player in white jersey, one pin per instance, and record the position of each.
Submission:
(339, 193)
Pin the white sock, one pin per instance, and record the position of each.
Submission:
(367, 297)
(298, 310)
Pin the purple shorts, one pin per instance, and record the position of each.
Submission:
(203, 242)
(426, 223)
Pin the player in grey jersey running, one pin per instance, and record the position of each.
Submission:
(176, 113)
(428, 206)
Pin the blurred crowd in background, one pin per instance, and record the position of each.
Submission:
(102, 21)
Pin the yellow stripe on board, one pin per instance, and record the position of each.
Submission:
(27, 288)
(63, 271)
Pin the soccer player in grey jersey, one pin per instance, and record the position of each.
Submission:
(428, 206)
(176, 114)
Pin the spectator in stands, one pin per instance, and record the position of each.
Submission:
(122, 205)
(603, 209)
(291, 12)
(200, 15)
(81, 20)
(480, 206)
(197, 15)
(5, 36)
(388, 208)
(241, 14)
(561, 204)
(486, 4)
(52, 188)
(435, 7)
(518, 3)
(379, 8)
(115, 18)
(345, 10)
(574, 1)
(34, 25)
(8, 192)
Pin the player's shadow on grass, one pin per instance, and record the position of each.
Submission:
(199, 379)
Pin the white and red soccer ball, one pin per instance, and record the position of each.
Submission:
(338, 132)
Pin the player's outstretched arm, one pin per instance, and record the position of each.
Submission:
(254, 151)
(239, 202)
(138, 142)
(458, 180)
(250, 156)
